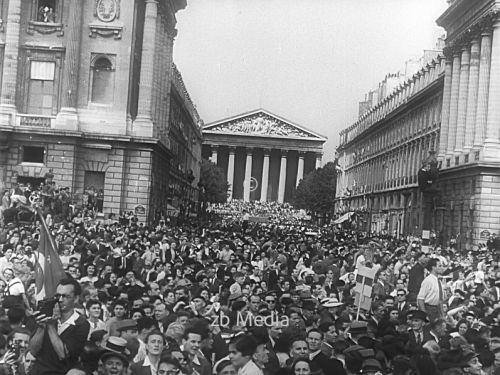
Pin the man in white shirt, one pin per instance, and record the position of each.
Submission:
(430, 297)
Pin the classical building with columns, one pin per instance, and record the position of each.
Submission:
(449, 107)
(264, 155)
(469, 146)
(381, 153)
(89, 91)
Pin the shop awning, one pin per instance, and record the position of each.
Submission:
(343, 218)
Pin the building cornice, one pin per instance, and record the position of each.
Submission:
(418, 97)
(464, 22)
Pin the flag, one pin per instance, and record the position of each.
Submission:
(48, 266)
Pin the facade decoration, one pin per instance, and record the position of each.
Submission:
(107, 10)
(264, 156)
(262, 124)
(106, 13)
(107, 136)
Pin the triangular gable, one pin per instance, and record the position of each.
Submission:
(262, 124)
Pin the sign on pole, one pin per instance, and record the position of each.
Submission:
(363, 288)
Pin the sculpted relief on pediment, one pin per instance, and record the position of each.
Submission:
(261, 124)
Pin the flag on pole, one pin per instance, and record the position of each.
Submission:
(48, 268)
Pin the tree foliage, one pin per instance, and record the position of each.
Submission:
(316, 191)
(213, 183)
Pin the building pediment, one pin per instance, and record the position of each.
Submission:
(261, 124)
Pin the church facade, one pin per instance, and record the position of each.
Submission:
(264, 155)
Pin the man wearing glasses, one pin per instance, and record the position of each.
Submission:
(60, 337)
(270, 301)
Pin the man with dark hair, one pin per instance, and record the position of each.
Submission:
(60, 338)
(191, 344)
(320, 361)
(145, 325)
(430, 297)
(155, 342)
(241, 351)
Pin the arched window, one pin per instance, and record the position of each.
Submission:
(103, 80)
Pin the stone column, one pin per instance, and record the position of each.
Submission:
(10, 63)
(455, 89)
(214, 153)
(318, 160)
(300, 169)
(482, 95)
(462, 100)
(230, 173)
(445, 110)
(4, 156)
(473, 88)
(143, 124)
(248, 176)
(282, 180)
(67, 118)
(492, 141)
(265, 176)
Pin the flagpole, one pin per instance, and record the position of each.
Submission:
(45, 227)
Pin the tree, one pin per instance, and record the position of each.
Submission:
(213, 183)
(316, 191)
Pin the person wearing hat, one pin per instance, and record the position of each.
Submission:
(115, 344)
(356, 330)
(371, 366)
(419, 333)
(470, 363)
(127, 329)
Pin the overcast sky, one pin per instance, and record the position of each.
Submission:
(309, 61)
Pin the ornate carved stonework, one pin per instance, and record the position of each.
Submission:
(107, 10)
(105, 30)
(45, 28)
(483, 24)
(107, 13)
(261, 124)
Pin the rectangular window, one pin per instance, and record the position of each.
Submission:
(33, 154)
(43, 70)
(46, 11)
(41, 87)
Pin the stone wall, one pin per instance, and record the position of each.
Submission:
(159, 184)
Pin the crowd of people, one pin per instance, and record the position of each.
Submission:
(278, 213)
(240, 297)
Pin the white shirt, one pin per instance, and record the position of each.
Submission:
(15, 287)
(147, 363)
(429, 290)
(61, 327)
(250, 369)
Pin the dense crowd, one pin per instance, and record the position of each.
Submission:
(240, 297)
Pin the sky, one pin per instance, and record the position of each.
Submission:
(308, 61)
